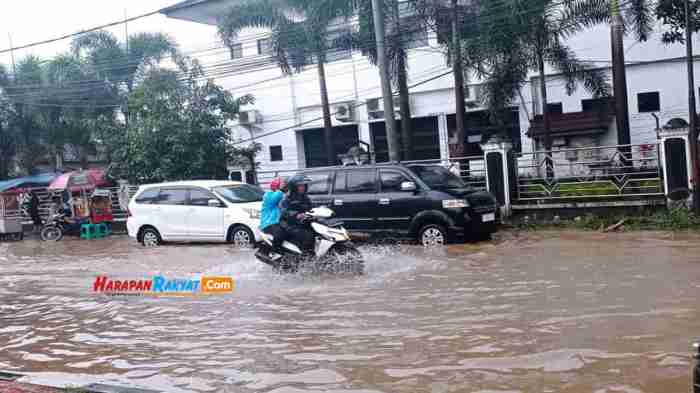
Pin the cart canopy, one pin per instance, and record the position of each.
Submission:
(41, 180)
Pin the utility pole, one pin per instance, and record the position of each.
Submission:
(12, 55)
(126, 100)
(692, 112)
(460, 111)
(617, 32)
(379, 32)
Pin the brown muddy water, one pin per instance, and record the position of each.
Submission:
(536, 312)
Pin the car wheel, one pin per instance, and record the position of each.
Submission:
(242, 237)
(150, 237)
(432, 235)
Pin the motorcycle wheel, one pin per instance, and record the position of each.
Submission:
(51, 234)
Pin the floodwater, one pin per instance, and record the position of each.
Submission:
(534, 312)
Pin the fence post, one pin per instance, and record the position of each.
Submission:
(675, 160)
(500, 168)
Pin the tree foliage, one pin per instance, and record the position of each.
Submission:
(178, 127)
(672, 14)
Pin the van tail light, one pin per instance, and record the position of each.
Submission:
(128, 213)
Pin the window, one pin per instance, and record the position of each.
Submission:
(334, 52)
(264, 46)
(241, 193)
(199, 197)
(237, 51)
(172, 196)
(594, 104)
(276, 153)
(357, 181)
(648, 102)
(319, 182)
(556, 107)
(149, 196)
(391, 180)
(416, 38)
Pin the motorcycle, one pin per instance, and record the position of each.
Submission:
(57, 226)
(333, 251)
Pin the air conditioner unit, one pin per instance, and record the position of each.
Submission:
(249, 117)
(344, 112)
(375, 109)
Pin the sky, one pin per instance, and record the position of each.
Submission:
(28, 21)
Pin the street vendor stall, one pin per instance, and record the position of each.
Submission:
(10, 218)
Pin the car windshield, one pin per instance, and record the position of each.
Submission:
(436, 176)
(240, 193)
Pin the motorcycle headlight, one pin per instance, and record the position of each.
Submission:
(253, 213)
(454, 203)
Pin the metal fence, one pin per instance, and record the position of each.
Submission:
(590, 173)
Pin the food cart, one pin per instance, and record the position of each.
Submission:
(10, 218)
(101, 207)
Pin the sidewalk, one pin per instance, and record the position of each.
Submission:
(17, 387)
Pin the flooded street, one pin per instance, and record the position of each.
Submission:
(534, 312)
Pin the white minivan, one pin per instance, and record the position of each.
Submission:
(196, 211)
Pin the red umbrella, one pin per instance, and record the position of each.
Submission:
(80, 180)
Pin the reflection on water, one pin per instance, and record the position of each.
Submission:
(576, 312)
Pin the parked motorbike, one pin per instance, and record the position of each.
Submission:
(333, 252)
(57, 226)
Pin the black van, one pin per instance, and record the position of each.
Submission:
(427, 202)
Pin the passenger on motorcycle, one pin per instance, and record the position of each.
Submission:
(271, 213)
(294, 209)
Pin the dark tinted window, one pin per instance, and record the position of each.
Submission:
(199, 197)
(555, 108)
(276, 153)
(172, 196)
(391, 180)
(319, 182)
(363, 180)
(594, 104)
(148, 196)
(648, 102)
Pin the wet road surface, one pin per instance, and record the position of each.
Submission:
(535, 312)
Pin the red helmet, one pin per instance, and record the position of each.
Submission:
(275, 183)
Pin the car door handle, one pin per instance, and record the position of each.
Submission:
(338, 202)
(384, 201)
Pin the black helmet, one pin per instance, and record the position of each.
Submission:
(298, 180)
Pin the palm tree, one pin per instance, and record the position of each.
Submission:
(528, 37)
(23, 91)
(299, 39)
(636, 16)
(396, 43)
(123, 62)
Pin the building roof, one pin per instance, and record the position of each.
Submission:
(572, 124)
(200, 11)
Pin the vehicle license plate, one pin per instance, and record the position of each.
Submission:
(488, 217)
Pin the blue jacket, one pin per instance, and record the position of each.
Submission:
(271, 211)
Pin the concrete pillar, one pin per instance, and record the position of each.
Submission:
(674, 153)
(500, 172)
(444, 138)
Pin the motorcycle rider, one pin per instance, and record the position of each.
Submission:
(294, 208)
(271, 213)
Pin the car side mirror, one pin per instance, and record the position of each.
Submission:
(214, 203)
(408, 186)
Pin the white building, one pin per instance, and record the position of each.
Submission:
(286, 116)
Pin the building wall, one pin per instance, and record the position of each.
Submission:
(287, 101)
